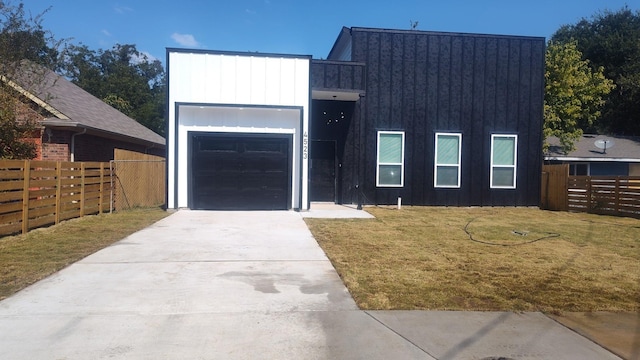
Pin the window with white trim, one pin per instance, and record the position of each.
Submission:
(446, 173)
(504, 155)
(390, 159)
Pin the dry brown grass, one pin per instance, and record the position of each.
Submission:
(25, 259)
(471, 259)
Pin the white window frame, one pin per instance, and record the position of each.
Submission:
(515, 161)
(437, 165)
(378, 163)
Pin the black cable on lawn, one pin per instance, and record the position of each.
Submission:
(466, 230)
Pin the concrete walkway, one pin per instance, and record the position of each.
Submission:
(246, 285)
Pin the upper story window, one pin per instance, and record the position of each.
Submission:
(504, 157)
(390, 159)
(447, 160)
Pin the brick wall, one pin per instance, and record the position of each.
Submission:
(55, 145)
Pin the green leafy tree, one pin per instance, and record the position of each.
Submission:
(22, 37)
(611, 40)
(574, 94)
(124, 78)
(14, 135)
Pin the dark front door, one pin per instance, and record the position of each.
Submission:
(322, 172)
(240, 172)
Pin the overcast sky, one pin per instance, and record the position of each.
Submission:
(294, 26)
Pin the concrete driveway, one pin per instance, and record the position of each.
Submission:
(246, 285)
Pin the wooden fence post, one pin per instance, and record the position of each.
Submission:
(101, 197)
(58, 190)
(82, 192)
(588, 193)
(25, 196)
(617, 194)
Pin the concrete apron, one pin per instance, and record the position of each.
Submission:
(246, 285)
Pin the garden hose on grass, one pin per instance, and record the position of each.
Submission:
(521, 233)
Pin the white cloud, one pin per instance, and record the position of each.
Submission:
(106, 32)
(122, 9)
(249, 11)
(185, 39)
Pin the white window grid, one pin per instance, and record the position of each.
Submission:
(378, 163)
(514, 166)
(458, 164)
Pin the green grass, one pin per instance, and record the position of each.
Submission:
(512, 259)
(28, 258)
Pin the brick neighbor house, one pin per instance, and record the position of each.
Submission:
(75, 125)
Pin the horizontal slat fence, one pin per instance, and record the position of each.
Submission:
(607, 195)
(41, 193)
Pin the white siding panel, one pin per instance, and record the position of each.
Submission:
(228, 79)
(195, 83)
(212, 77)
(287, 81)
(243, 80)
(272, 81)
(258, 80)
(302, 82)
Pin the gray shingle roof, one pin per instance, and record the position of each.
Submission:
(84, 110)
(623, 148)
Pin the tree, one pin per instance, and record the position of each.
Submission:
(14, 135)
(610, 40)
(574, 94)
(22, 38)
(122, 77)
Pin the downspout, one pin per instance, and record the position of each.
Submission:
(73, 144)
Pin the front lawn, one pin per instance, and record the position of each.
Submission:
(513, 259)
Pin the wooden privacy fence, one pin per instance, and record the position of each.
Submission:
(554, 187)
(606, 195)
(40, 193)
(139, 180)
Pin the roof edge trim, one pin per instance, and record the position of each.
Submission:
(34, 98)
(97, 131)
(436, 32)
(235, 53)
(584, 159)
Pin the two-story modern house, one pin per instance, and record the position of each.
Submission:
(431, 118)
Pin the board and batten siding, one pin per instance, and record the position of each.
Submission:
(477, 85)
(209, 91)
(337, 75)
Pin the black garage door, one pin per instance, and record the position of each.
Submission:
(240, 172)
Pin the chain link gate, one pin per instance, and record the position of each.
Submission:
(138, 183)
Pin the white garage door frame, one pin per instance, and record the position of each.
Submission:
(241, 120)
(243, 93)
